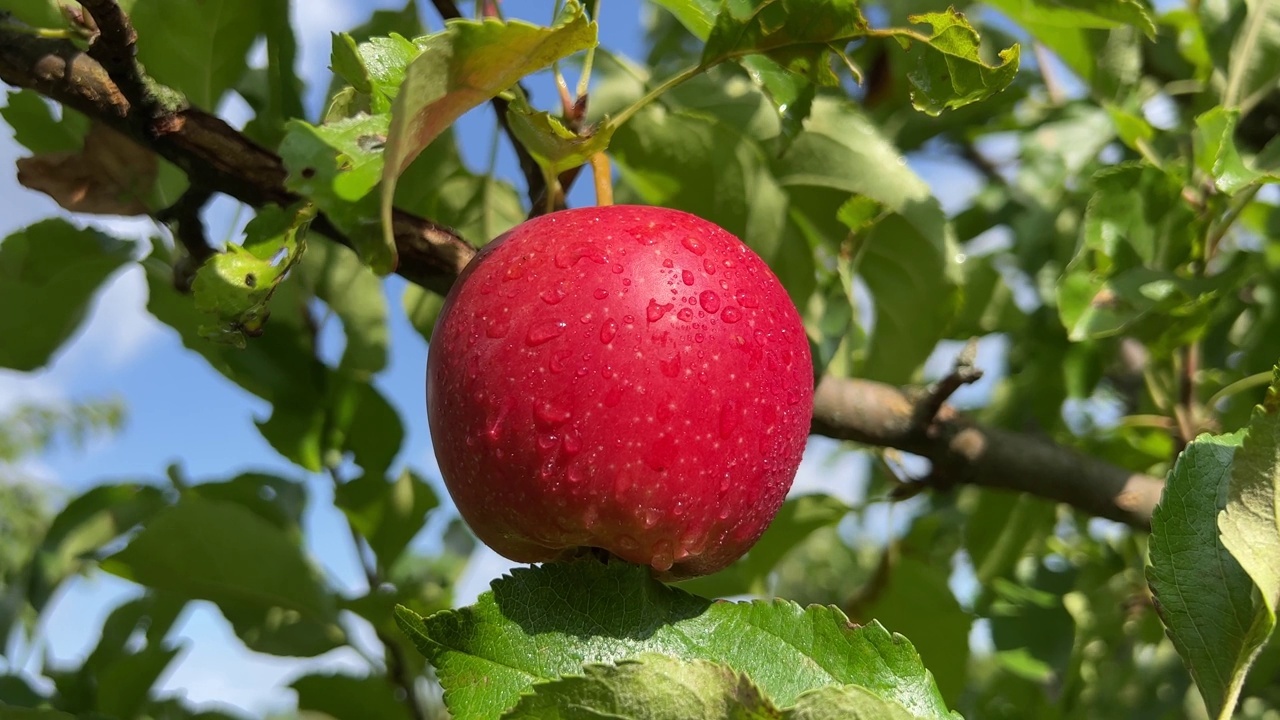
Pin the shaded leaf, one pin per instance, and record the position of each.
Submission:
(844, 702)
(459, 68)
(1254, 66)
(798, 518)
(1250, 522)
(336, 276)
(801, 40)
(388, 514)
(1216, 152)
(698, 16)
(34, 127)
(217, 551)
(109, 175)
(949, 72)
(908, 259)
(545, 622)
(1203, 595)
(1099, 14)
(422, 308)
(345, 697)
(51, 269)
(198, 47)
(648, 686)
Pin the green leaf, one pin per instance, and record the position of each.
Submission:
(388, 514)
(908, 258)
(801, 40)
(52, 270)
(336, 276)
(359, 419)
(459, 68)
(649, 686)
(917, 602)
(1216, 152)
(1254, 66)
(220, 551)
(844, 702)
(1203, 595)
(275, 90)
(198, 47)
(345, 697)
(798, 518)
(34, 127)
(555, 147)
(545, 622)
(336, 166)
(949, 71)
(345, 62)
(698, 16)
(1139, 300)
(235, 286)
(1250, 522)
(84, 526)
(422, 308)
(277, 500)
(282, 632)
(1097, 14)
(1106, 60)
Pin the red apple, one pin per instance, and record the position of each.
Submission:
(628, 378)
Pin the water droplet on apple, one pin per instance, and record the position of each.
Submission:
(554, 295)
(574, 253)
(698, 337)
(617, 269)
(548, 442)
(608, 330)
(628, 543)
(709, 266)
(628, 319)
(662, 556)
(694, 245)
(746, 299)
(655, 311)
(544, 331)
(686, 276)
(760, 336)
(551, 414)
(731, 315)
(572, 442)
(667, 263)
(600, 294)
(685, 314)
(613, 397)
(709, 301)
(729, 262)
(556, 363)
(651, 517)
(498, 327)
(730, 418)
(724, 512)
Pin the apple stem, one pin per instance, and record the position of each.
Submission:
(603, 177)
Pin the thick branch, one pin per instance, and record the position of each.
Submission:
(967, 453)
(221, 159)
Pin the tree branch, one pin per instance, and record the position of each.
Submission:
(220, 159)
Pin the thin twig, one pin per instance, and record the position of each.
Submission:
(962, 373)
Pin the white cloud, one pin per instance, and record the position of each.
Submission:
(118, 330)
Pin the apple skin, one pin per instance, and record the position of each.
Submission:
(628, 378)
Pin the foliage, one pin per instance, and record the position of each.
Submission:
(1089, 186)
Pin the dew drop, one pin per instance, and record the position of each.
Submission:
(760, 337)
(725, 483)
(709, 301)
(617, 269)
(651, 517)
(698, 337)
(556, 363)
(730, 262)
(730, 418)
(600, 294)
(572, 442)
(746, 299)
(547, 442)
(655, 311)
(575, 476)
(685, 314)
(554, 295)
(663, 557)
(628, 543)
(724, 512)
(515, 271)
(667, 263)
(628, 319)
(731, 315)
(606, 372)
(576, 252)
(793, 397)
(709, 266)
(545, 331)
(687, 277)
(550, 413)
(608, 330)
(694, 245)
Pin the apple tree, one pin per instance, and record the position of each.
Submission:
(1076, 198)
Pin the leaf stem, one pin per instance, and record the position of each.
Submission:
(604, 179)
(654, 94)
(584, 80)
(1239, 386)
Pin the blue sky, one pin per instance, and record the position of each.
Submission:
(182, 411)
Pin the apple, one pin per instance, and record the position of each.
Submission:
(627, 378)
